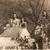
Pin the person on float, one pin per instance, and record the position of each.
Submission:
(16, 20)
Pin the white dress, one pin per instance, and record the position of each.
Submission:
(24, 32)
(16, 22)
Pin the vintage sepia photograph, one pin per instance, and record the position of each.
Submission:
(24, 24)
